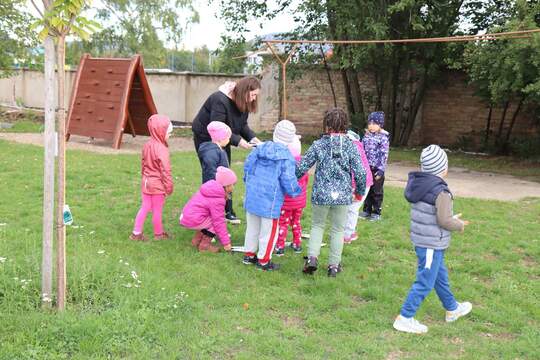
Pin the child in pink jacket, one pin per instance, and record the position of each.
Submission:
(292, 208)
(157, 180)
(205, 211)
(352, 213)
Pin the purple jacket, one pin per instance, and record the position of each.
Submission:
(376, 146)
(208, 202)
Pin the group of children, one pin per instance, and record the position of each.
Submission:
(349, 172)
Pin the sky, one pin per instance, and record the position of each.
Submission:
(210, 28)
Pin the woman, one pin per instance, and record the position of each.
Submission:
(231, 105)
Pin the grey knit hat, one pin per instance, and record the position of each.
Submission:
(284, 132)
(433, 160)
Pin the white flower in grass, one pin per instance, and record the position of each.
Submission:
(128, 285)
(91, 232)
(126, 263)
(3, 224)
(134, 275)
(46, 298)
(2, 260)
(101, 252)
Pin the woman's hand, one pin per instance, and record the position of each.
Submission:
(244, 144)
(255, 141)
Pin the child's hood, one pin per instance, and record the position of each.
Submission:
(212, 189)
(421, 183)
(158, 126)
(336, 143)
(270, 150)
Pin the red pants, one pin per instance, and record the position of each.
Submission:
(292, 218)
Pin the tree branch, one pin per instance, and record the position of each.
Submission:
(38, 9)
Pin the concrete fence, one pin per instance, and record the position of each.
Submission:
(178, 95)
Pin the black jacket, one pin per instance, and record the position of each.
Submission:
(211, 156)
(219, 107)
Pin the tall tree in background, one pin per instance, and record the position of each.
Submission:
(16, 42)
(144, 27)
(507, 72)
(401, 73)
(229, 58)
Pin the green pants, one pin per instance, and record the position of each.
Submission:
(338, 218)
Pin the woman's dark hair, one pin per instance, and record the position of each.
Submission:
(336, 120)
(241, 94)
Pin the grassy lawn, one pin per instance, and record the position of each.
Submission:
(23, 121)
(202, 306)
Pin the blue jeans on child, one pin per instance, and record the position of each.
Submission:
(431, 273)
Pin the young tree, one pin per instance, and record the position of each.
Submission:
(229, 56)
(59, 19)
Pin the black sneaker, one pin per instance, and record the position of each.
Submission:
(374, 217)
(249, 260)
(280, 251)
(269, 266)
(232, 219)
(364, 215)
(333, 270)
(310, 266)
(297, 248)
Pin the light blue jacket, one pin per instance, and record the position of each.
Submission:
(269, 175)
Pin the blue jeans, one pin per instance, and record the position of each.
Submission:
(431, 273)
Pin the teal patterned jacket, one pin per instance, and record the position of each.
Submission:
(337, 161)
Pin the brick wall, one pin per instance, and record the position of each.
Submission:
(450, 109)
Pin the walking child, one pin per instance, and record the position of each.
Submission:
(157, 180)
(376, 146)
(432, 221)
(292, 209)
(352, 213)
(338, 161)
(205, 211)
(269, 175)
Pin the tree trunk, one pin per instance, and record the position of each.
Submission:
(327, 68)
(501, 124)
(488, 126)
(49, 142)
(514, 117)
(415, 106)
(61, 229)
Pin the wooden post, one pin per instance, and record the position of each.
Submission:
(48, 176)
(60, 227)
(283, 75)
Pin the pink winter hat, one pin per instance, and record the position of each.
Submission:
(295, 147)
(218, 130)
(225, 176)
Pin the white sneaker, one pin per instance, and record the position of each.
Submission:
(410, 325)
(462, 309)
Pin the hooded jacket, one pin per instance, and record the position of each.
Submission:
(377, 146)
(269, 175)
(422, 191)
(220, 107)
(365, 163)
(155, 162)
(298, 202)
(208, 202)
(211, 155)
(338, 161)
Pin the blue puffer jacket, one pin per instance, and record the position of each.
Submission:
(269, 175)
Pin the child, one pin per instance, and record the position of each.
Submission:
(268, 174)
(211, 153)
(352, 212)
(156, 177)
(432, 221)
(338, 161)
(376, 146)
(205, 211)
(291, 211)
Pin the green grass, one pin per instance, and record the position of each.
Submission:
(203, 306)
(525, 169)
(24, 121)
(24, 126)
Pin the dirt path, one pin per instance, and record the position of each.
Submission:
(463, 182)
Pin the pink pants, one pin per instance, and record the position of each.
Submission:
(205, 225)
(292, 218)
(150, 203)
